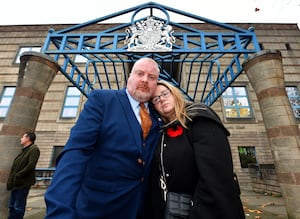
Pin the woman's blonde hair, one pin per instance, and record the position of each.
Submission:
(179, 101)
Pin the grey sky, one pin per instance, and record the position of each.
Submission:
(21, 12)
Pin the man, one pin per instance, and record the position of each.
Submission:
(22, 176)
(103, 171)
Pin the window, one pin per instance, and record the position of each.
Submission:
(294, 98)
(247, 155)
(236, 103)
(288, 46)
(55, 152)
(71, 103)
(26, 49)
(6, 98)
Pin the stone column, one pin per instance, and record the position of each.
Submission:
(36, 73)
(265, 73)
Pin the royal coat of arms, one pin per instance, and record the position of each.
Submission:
(150, 35)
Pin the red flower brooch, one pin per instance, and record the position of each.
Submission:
(175, 131)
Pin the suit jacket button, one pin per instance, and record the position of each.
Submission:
(140, 161)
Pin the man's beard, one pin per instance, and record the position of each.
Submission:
(142, 96)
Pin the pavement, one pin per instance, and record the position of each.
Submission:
(256, 205)
(262, 206)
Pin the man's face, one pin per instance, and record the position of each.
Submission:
(24, 140)
(142, 81)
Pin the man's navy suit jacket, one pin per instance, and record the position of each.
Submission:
(103, 171)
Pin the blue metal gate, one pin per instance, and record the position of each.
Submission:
(99, 54)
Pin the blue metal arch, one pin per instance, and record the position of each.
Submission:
(195, 64)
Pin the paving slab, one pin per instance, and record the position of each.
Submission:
(256, 205)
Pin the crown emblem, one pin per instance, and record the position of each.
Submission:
(149, 35)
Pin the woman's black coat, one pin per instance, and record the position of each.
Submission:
(198, 162)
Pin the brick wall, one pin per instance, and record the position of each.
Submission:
(264, 179)
(53, 131)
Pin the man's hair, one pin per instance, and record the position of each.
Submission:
(31, 136)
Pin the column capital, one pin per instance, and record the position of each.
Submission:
(260, 56)
(39, 57)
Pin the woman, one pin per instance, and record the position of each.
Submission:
(196, 158)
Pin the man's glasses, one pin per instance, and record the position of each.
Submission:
(164, 94)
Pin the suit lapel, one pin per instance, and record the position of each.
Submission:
(156, 120)
(134, 126)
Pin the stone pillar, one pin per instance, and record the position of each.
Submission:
(36, 73)
(265, 73)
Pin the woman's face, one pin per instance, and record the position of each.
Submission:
(163, 101)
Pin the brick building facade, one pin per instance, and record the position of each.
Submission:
(248, 134)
